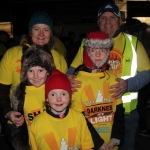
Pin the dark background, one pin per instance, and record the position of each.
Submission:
(68, 11)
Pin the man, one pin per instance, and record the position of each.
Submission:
(126, 58)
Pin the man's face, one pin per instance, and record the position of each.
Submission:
(109, 23)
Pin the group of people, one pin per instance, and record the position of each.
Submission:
(92, 105)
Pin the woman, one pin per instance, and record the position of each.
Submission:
(40, 29)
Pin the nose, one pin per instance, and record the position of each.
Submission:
(107, 20)
(97, 53)
(58, 98)
(35, 75)
(41, 32)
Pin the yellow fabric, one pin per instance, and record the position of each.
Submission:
(34, 102)
(116, 61)
(95, 100)
(59, 61)
(60, 47)
(142, 58)
(10, 66)
(49, 133)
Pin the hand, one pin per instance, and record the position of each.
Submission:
(104, 147)
(74, 83)
(118, 89)
(111, 145)
(15, 117)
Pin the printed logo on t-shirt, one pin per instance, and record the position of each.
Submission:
(65, 144)
(98, 108)
(18, 67)
(115, 62)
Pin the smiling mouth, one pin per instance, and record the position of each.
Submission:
(59, 104)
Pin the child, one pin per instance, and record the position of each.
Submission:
(59, 127)
(93, 98)
(28, 97)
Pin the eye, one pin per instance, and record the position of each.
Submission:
(46, 30)
(92, 50)
(52, 94)
(36, 29)
(113, 17)
(41, 70)
(63, 94)
(102, 50)
(30, 70)
(102, 18)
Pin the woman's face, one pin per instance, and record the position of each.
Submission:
(40, 34)
(37, 75)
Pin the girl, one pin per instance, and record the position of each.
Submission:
(28, 96)
(59, 127)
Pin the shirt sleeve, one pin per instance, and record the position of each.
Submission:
(32, 141)
(78, 60)
(5, 69)
(59, 61)
(139, 81)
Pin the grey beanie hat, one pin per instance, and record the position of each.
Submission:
(40, 17)
(36, 56)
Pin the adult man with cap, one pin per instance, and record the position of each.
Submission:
(125, 60)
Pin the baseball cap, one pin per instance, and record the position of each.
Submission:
(109, 7)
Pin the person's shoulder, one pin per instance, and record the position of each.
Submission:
(56, 54)
(40, 117)
(15, 49)
(12, 53)
(111, 75)
(129, 35)
(75, 112)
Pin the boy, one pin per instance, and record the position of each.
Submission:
(93, 98)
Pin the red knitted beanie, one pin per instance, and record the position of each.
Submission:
(57, 80)
(97, 35)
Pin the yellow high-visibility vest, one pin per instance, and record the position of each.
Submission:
(129, 70)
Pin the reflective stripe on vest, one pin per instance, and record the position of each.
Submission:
(129, 70)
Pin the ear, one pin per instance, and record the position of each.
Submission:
(46, 100)
(120, 21)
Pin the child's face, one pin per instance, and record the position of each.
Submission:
(98, 54)
(58, 100)
(37, 75)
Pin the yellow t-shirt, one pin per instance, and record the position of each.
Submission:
(94, 99)
(116, 56)
(49, 133)
(60, 47)
(34, 102)
(10, 66)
